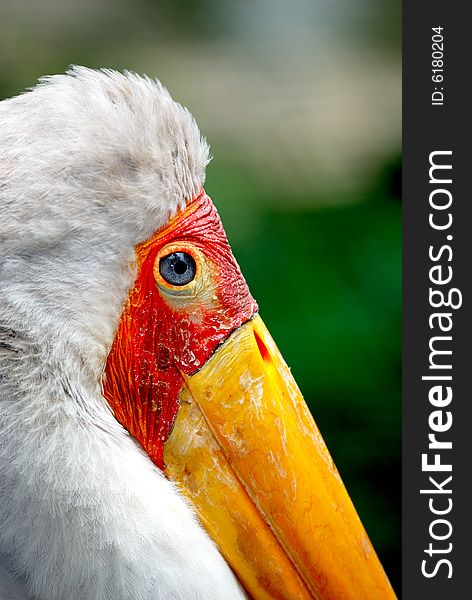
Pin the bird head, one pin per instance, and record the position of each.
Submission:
(121, 266)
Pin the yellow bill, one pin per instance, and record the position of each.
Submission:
(247, 453)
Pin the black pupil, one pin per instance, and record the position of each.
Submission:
(178, 268)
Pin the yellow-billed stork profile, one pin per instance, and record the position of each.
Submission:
(154, 444)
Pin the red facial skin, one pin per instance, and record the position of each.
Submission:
(162, 336)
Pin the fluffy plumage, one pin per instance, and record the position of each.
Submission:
(91, 163)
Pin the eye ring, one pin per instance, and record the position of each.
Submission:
(177, 268)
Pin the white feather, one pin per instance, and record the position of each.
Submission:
(91, 163)
(10, 589)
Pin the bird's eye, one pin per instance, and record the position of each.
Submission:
(178, 268)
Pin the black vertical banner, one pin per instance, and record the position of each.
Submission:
(437, 421)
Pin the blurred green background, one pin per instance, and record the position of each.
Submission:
(301, 104)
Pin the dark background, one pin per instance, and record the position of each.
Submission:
(301, 103)
(429, 128)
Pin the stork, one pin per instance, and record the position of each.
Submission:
(154, 444)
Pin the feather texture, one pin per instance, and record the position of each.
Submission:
(91, 164)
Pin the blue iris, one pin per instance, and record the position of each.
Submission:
(178, 268)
